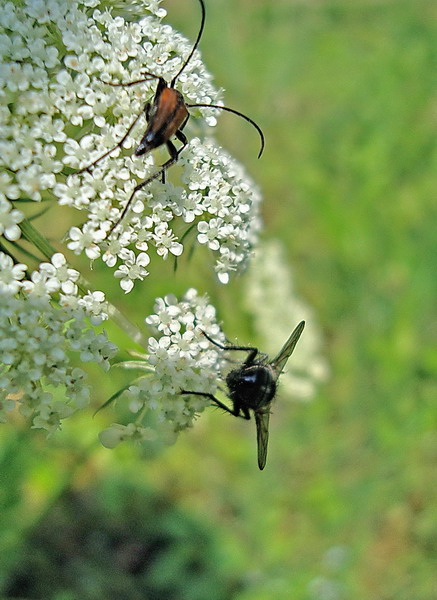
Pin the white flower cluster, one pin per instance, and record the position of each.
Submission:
(225, 203)
(179, 358)
(58, 112)
(219, 199)
(43, 324)
(272, 300)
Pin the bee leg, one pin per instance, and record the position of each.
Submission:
(245, 411)
(250, 349)
(215, 401)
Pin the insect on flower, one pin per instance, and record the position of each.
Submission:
(252, 386)
(166, 117)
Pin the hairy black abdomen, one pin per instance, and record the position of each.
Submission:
(251, 386)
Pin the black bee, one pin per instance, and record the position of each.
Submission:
(252, 386)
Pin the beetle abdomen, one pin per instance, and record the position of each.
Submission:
(167, 115)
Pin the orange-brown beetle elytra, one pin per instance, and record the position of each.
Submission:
(166, 117)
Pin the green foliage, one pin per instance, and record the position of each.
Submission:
(348, 91)
(116, 540)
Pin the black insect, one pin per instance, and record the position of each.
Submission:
(166, 116)
(252, 386)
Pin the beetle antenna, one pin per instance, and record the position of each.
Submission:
(239, 114)
(196, 43)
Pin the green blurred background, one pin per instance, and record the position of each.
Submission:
(346, 93)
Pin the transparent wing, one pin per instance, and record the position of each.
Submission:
(278, 363)
(262, 436)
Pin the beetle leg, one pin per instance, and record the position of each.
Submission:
(150, 77)
(174, 155)
(182, 138)
(147, 108)
(173, 151)
(181, 128)
(118, 145)
(139, 186)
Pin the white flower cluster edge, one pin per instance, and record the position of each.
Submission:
(44, 323)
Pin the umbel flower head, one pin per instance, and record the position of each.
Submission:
(44, 323)
(179, 356)
(59, 112)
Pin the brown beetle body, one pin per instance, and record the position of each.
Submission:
(166, 116)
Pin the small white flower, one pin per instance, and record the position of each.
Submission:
(112, 436)
(10, 275)
(41, 283)
(49, 130)
(95, 306)
(133, 268)
(154, 7)
(167, 315)
(208, 232)
(59, 275)
(77, 154)
(86, 239)
(31, 181)
(9, 219)
(165, 241)
(7, 188)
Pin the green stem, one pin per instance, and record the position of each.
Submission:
(34, 237)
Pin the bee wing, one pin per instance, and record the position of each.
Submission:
(278, 363)
(262, 436)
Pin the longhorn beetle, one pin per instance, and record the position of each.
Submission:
(166, 117)
(252, 386)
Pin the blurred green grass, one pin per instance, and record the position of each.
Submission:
(346, 93)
